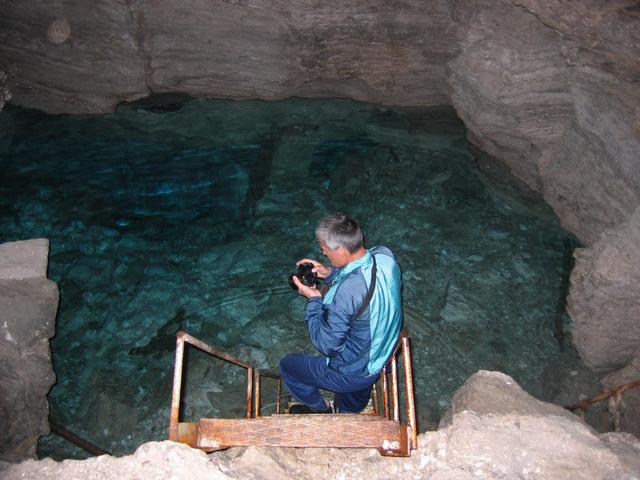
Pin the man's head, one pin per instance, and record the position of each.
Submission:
(340, 238)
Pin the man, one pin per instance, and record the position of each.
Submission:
(354, 326)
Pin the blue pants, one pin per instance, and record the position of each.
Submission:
(305, 374)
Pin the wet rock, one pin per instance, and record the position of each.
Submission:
(109, 408)
(28, 305)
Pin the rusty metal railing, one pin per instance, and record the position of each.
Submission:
(76, 439)
(187, 432)
(614, 395)
(392, 412)
(181, 339)
(258, 387)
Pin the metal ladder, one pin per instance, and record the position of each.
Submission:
(382, 429)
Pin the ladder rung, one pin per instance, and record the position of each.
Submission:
(312, 430)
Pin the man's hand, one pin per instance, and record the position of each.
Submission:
(321, 270)
(304, 290)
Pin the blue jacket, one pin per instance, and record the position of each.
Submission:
(358, 347)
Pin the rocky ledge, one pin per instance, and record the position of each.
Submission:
(28, 305)
(494, 430)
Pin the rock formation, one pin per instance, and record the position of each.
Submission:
(495, 430)
(550, 89)
(67, 58)
(28, 305)
(605, 301)
(553, 92)
(5, 94)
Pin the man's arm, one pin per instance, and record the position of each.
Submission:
(328, 326)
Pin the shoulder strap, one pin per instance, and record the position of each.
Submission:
(372, 287)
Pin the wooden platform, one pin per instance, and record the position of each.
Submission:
(318, 430)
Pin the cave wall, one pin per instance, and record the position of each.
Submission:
(549, 88)
(76, 56)
(554, 92)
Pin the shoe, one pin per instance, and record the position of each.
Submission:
(299, 408)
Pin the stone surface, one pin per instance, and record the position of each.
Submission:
(492, 393)
(63, 58)
(27, 321)
(24, 259)
(151, 461)
(536, 439)
(552, 91)
(515, 437)
(630, 411)
(5, 94)
(72, 56)
(604, 301)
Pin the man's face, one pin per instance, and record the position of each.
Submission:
(337, 257)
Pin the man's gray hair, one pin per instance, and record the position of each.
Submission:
(339, 230)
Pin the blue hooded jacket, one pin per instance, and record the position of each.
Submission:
(358, 347)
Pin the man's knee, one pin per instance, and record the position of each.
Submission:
(286, 363)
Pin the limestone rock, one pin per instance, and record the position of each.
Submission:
(24, 259)
(553, 96)
(509, 84)
(67, 57)
(5, 94)
(604, 301)
(151, 461)
(496, 430)
(525, 446)
(515, 437)
(64, 58)
(630, 412)
(488, 393)
(27, 321)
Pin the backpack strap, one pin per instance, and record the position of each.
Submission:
(372, 287)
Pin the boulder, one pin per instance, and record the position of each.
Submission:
(492, 393)
(604, 300)
(496, 430)
(28, 305)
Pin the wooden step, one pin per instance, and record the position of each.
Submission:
(312, 430)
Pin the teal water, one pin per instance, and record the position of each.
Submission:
(190, 214)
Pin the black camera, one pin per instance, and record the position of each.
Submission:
(306, 275)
